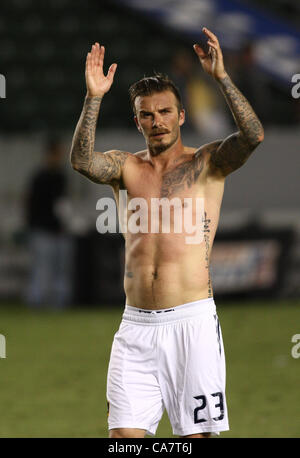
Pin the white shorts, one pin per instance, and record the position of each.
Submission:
(169, 359)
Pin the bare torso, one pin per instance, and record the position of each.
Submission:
(162, 270)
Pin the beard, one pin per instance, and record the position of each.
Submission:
(155, 150)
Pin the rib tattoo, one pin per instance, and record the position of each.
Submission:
(206, 230)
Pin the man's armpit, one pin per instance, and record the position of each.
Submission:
(209, 150)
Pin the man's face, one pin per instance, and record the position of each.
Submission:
(158, 119)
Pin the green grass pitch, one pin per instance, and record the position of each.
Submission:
(53, 379)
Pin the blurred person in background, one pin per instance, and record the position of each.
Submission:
(49, 241)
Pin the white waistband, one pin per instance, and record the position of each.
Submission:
(180, 312)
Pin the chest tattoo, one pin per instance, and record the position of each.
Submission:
(185, 174)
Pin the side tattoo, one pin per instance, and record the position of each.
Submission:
(128, 274)
(206, 230)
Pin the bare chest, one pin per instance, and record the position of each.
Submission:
(183, 180)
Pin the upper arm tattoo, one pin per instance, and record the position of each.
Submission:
(231, 154)
(106, 168)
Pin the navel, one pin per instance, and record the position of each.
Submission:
(155, 274)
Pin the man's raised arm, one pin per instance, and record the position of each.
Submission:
(99, 167)
(231, 153)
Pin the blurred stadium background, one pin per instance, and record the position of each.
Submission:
(52, 382)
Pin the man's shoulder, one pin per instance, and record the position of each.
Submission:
(128, 161)
(126, 154)
(122, 157)
(208, 148)
(202, 152)
(139, 158)
(142, 155)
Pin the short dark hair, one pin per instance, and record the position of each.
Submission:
(150, 85)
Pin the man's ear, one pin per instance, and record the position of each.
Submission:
(137, 124)
(181, 117)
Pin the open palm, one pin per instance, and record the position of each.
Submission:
(97, 83)
(212, 62)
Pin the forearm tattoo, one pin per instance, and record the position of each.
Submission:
(99, 167)
(84, 137)
(236, 148)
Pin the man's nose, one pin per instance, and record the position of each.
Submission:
(157, 120)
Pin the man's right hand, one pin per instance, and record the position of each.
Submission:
(96, 83)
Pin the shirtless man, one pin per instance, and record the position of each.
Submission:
(168, 352)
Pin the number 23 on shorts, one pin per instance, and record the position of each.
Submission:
(219, 405)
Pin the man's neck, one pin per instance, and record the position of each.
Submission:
(163, 161)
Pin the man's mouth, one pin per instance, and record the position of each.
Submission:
(159, 134)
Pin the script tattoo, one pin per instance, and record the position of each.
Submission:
(206, 231)
(235, 149)
(98, 167)
(186, 173)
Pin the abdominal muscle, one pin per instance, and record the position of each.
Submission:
(162, 271)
